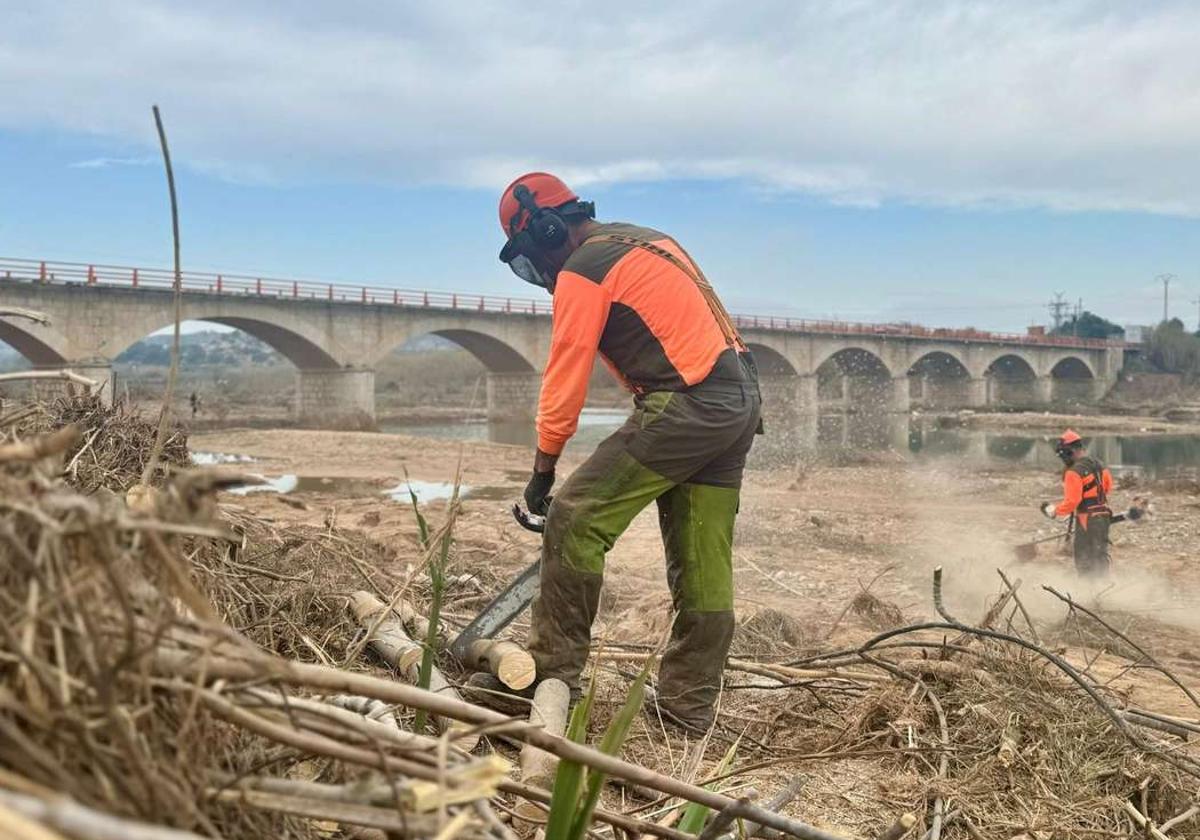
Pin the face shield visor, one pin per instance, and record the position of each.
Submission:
(514, 254)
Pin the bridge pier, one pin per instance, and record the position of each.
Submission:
(790, 416)
(336, 398)
(977, 392)
(512, 396)
(1043, 390)
(101, 374)
(901, 396)
(898, 433)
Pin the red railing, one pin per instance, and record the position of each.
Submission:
(906, 330)
(54, 272)
(46, 271)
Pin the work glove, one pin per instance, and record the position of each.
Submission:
(1047, 509)
(537, 492)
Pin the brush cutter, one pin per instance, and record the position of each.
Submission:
(1138, 510)
(510, 603)
(1028, 551)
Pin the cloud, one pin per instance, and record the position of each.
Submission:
(108, 162)
(1071, 105)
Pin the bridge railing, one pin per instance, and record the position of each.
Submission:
(906, 330)
(95, 274)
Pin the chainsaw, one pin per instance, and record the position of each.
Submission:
(510, 603)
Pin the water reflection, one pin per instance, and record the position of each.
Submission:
(595, 424)
(918, 438)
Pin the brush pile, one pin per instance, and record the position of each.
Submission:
(192, 670)
(114, 444)
(187, 671)
(979, 732)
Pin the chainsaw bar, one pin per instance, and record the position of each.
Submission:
(510, 603)
(501, 611)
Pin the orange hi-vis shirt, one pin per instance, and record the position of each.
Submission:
(1080, 492)
(645, 317)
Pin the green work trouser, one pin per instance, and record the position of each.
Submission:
(687, 452)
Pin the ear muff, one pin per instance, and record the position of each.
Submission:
(546, 227)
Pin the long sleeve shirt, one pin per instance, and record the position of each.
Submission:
(641, 313)
(1079, 483)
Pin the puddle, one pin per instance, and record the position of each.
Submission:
(291, 483)
(426, 491)
(595, 424)
(495, 493)
(206, 459)
(278, 484)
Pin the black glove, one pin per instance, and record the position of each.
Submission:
(537, 491)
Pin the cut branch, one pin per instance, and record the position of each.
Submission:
(175, 663)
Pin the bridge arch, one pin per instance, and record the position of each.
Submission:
(855, 379)
(493, 353)
(770, 361)
(1072, 380)
(1013, 380)
(304, 351)
(939, 379)
(40, 345)
(1072, 367)
(855, 361)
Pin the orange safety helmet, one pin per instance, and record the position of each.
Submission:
(547, 190)
(1068, 442)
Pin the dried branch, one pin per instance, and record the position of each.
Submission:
(1147, 659)
(85, 823)
(164, 419)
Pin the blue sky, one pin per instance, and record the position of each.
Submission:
(952, 163)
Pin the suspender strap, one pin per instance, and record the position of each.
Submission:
(1100, 501)
(732, 338)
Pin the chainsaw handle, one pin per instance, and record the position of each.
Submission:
(528, 521)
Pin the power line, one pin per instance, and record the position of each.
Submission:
(1057, 306)
(1166, 279)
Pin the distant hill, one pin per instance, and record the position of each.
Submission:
(206, 348)
(212, 348)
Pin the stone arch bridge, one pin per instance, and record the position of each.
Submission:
(336, 334)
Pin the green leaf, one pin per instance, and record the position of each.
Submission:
(422, 525)
(564, 798)
(696, 814)
(610, 744)
(436, 567)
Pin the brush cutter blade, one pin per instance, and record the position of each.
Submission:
(1025, 551)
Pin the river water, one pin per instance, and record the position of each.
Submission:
(1153, 455)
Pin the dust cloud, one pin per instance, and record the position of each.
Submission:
(974, 538)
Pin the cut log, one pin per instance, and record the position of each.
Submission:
(538, 767)
(389, 639)
(510, 662)
(393, 645)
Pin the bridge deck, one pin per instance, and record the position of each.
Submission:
(162, 280)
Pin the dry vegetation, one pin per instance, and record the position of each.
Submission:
(195, 667)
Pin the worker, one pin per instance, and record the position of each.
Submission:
(634, 297)
(1086, 486)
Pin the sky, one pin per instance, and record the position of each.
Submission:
(939, 161)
